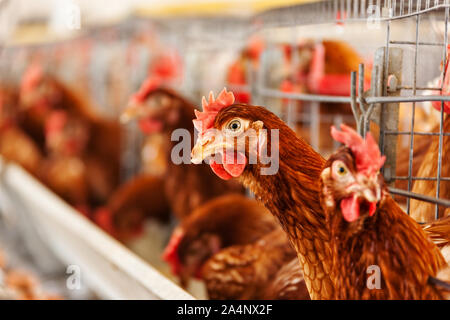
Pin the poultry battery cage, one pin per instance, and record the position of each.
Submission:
(401, 73)
(403, 68)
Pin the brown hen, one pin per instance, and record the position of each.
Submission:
(220, 223)
(290, 193)
(161, 110)
(15, 144)
(244, 271)
(41, 94)
(379, 252)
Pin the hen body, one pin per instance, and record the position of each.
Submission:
(15, 144)
(103, 150)
(291, 194)
(220, 223)
(242, 272)
(383, 241)
(187, 186)
(136, 200)
(287, 284)
(424, 211)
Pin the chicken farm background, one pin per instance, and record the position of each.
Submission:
(90, 98)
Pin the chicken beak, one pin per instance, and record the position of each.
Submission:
(207, 146)
(370, 190)
(131, 112)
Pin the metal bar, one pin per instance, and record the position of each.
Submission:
(413, 114)
(361, 86)
(390, 111)
(412, 43)
(362, 104)
(381, 122)
(292, 104)
(421, 178)
(421, 98)
(315, 125)
(421, 197)
(405, 87)
(441, 124)
(355, 111)
(326, 12)
(272, 93)
(416, 133)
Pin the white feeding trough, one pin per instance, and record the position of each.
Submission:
(105, 266)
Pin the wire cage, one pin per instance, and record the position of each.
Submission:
(406, 71)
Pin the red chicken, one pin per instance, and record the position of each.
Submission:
(41, 94)
(245, 271)
(136, 200)
(291, 193)
(239, 70)
(15, 144)
(288, 284)
(222, 222)
(64, 170)
(423, 211)
(322, 68)
(70, 170)
(370, 230)
(162, 111)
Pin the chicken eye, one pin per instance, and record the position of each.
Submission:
(234, 125)
(340, 169)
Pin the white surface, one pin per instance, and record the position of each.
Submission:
(107, 267)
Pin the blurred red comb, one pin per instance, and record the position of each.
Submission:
(150, 84)
(445, 87)
(367, 153)
(170, 254)
(205, 119)
(255, 47)
(55, 122)
(167, 66)
(31, 78)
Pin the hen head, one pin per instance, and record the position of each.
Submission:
(232, 137)
(157, 109)
(187, 251)
(38, 91)
(351, 178)
(64, 134)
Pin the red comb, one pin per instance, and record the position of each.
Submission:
(55, 122)
(33, 75)
(445, 87)
(167, 66)
(205, 119)
(367, 153)
(170, 254)
(255, 47)
(150, 84)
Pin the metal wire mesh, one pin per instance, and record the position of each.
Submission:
(380, 104)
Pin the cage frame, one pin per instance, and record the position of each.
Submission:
(363, 103)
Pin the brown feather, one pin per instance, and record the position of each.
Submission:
(389, 239)
(291, 195)
(241, 272)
